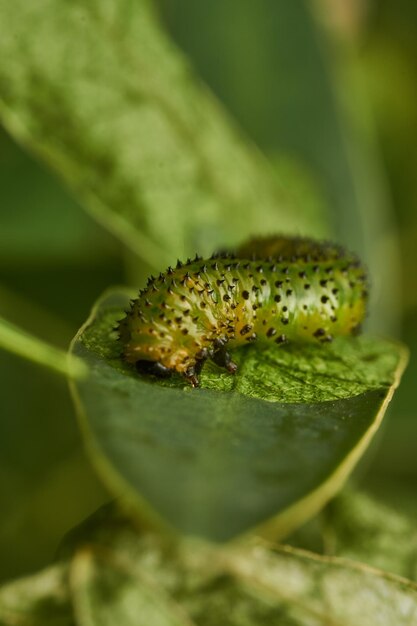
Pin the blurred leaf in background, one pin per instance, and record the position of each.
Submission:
(113, 572)
(148, 150)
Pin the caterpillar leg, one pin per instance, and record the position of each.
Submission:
(153, 368)
(191, 375)
(223, 359)
(193, 371)
(218, 355)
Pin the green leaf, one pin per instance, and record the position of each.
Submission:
(364, 528)
(276, 441)
(106, 592)
(38, 600)
(98, 91)
(323, 590)
(286, 97)
(378, 530)
(248, 583)
(114, 573)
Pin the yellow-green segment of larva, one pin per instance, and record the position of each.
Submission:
(300, 290)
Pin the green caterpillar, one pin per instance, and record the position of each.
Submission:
(275, 289)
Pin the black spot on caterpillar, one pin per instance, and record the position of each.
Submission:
(275, 289)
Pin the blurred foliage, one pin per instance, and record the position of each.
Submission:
(112, 572)
(334, 105)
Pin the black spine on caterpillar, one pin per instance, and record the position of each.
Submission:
(277, 289)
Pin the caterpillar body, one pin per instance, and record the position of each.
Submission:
(275, 289)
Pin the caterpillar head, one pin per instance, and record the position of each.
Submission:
(163, 333)
(172, 325)
(159, 347)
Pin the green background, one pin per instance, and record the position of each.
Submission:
(331, 100)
